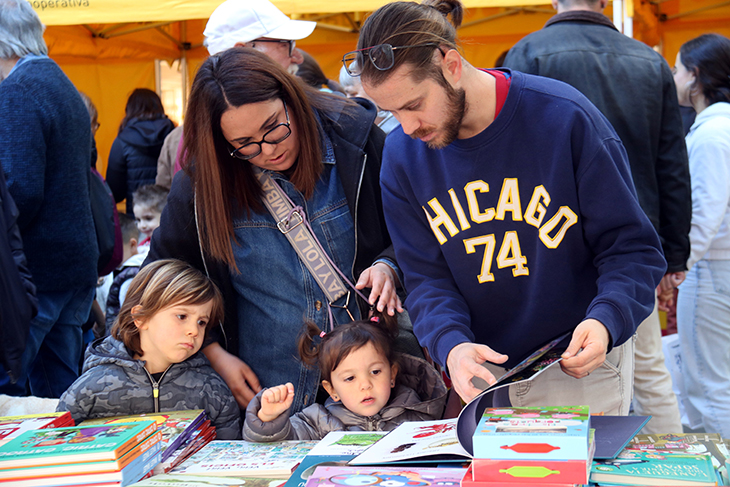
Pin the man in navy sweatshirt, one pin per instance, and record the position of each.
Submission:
(45, 153)
(513, 215)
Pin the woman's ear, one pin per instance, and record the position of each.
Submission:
(138, 322)
(330, 390)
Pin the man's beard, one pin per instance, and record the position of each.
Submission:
(455, 109)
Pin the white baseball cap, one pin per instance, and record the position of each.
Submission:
(241, 21)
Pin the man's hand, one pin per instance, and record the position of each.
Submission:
(464, 362)
(587, 349)
(275, 402)
(381, 280)
(240, 378)
(666, 287)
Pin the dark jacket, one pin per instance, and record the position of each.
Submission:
(419, 395)
(358, 147)
(133, 157)
(633, 87)
(18, 303)
(115, 384)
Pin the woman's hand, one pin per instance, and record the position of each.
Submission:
(275, 402)
(240, 378)
(381, 280)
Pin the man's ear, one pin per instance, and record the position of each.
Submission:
(297, 57)
(138, 322)
(452, 65)
(330, 390)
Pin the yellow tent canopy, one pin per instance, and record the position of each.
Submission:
(108, 47)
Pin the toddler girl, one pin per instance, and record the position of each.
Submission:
(150, 363)
(359, 371)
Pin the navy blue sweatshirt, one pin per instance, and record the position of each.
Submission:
(518, 234)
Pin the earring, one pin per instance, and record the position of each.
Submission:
(334, 396)
(392, 383)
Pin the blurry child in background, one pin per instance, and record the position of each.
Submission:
(117, 283)
(359, 370)
(149, 201)
(151, 362)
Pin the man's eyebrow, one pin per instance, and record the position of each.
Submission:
(267, 123)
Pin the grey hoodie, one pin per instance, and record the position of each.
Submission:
(113, 383)
(419, 395)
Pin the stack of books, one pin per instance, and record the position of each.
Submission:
(109, 455)
(14, 426)
(183, 433)
(548, 446)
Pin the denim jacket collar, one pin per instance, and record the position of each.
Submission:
(581, 16)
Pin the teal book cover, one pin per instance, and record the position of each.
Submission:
(74, 444)
(634, 467)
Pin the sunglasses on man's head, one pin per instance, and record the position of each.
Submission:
(381, 55)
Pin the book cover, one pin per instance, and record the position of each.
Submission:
(246, 459)
(198, 439)
(172, 480)
(127, 476)
(146, 450)
(335, 449)
(76, 444)
(176, 426)
(13, 426)
(385, 477)
(468, 481)
(614, 432)
(545, 433)
(635, 467)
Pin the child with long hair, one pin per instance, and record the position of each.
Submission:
(150, 363)
(370, 387)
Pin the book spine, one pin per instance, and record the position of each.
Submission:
(134, 441)
(144, 448)
(537, 472)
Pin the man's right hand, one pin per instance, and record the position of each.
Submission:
(240, 378)
(464, 362)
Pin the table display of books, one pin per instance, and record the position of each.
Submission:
(118, 454)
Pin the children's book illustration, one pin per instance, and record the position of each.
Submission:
(385, 477)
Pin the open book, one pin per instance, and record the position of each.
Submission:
(451, 439)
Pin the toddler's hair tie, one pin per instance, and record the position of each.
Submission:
(322, 334)
(375, 319)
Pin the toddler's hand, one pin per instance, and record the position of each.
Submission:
(276, 401)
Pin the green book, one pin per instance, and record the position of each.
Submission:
(75, 444)
(633, 467)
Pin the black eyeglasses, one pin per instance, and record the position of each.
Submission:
(381, 55)
(276, 135)
(252, 44)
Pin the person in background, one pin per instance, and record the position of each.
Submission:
(702, 75)
(259, 25)
(353, 88)
(311, 73)
(247, 116)
(151, 362)
(512, 211)
(114, 288)
(94, 115)
(149, 202)
(134, 153)
(46, 155)
(371, 387)
(631, 84)
(170, 153)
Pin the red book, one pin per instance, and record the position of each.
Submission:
(468, 481)
(531, 471)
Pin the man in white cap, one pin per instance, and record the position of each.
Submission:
(257, 24)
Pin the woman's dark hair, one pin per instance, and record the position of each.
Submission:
(335, 346)
(225, 185)
(708, 57)
(159, 285)
(411, 24)
(142, 104)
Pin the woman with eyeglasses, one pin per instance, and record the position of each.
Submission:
(248, 118)
(702, 76)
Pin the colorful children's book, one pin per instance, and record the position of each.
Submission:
(132, 459)
(13, 426)
(635, 467)
(76, 444)
(176, 426)
(172, 480)
(533, 433)
(204, 434)
(246, 459)
(468, 481)
(335, 449)
(385, 477)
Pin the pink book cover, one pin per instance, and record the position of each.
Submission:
(385, 477)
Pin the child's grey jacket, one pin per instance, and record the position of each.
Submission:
(114, 384)
(419, 395)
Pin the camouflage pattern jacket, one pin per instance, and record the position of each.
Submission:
(113, 383)
(419, 395)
